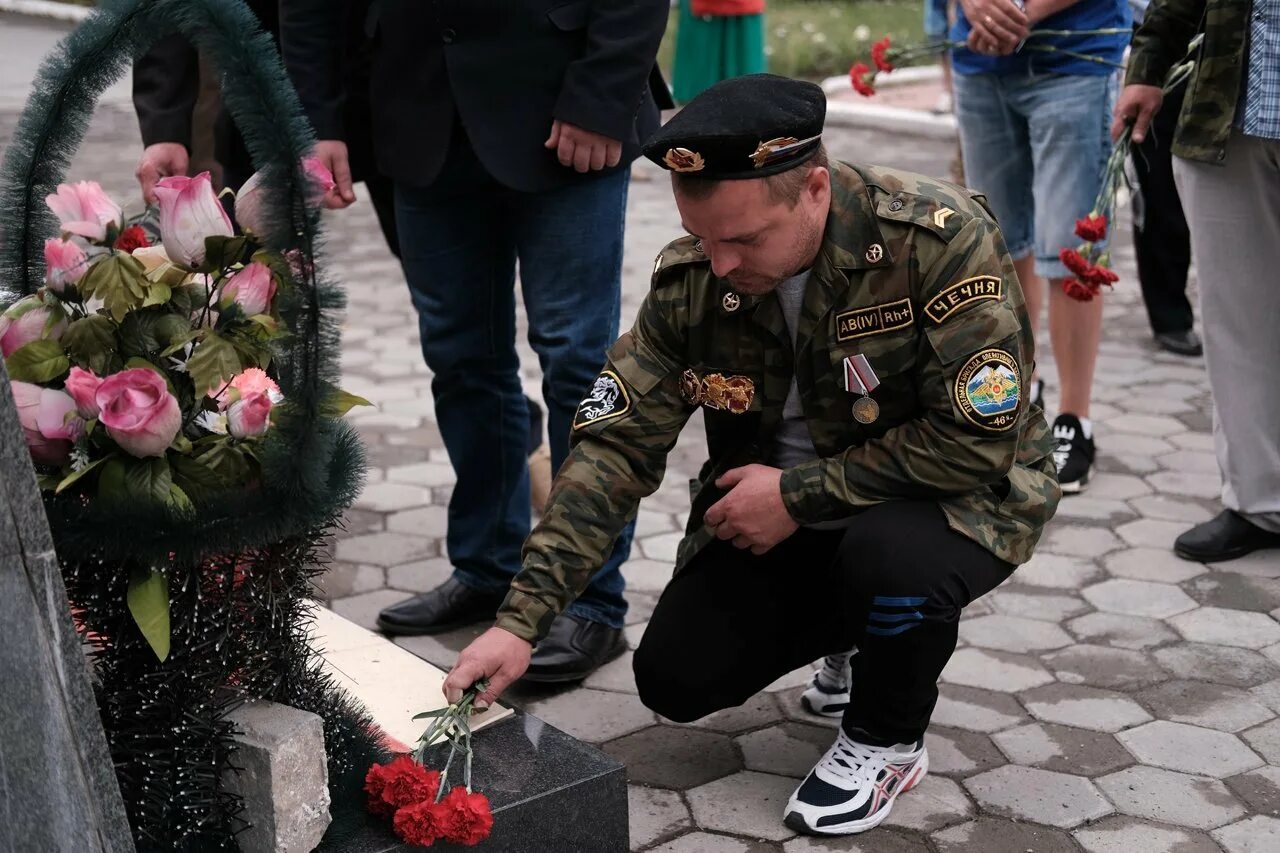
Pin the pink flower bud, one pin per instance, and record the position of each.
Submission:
(190, 212)
(252, 288)
(138, 411)
(64, 263)
(249, 416)
(27, 320)
(84, 209)
(82, 385)
(43, 414)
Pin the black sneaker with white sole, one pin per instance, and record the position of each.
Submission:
(1073, 455)
(828, 692)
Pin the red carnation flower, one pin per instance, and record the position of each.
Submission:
(878, 51)
(401, 783)
(1092, 228)
(1074, 261)
(470, 819)
(1077, 290)
(862, 87)
(1098, 275)
(375, 781)
(422, 823)
(133, 237)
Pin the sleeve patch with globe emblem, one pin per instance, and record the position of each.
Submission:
(988, 390)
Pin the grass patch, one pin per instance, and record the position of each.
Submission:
(813, 39)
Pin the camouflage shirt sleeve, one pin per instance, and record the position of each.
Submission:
(951, 447)
(1167, 28)
(621, 435)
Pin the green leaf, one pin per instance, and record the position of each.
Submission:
(148, 479)
(177, 342)
(47, 482)
(118, 280)
(195, 477)
(91, 341)
(157, 294)
(339, 402)
(148, 598)
(222, 252)
(38, 361)
(111, 482)
(212, 363)
(76, 475)
(178, 499)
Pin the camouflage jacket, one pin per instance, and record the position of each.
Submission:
(914, 275)
(1209, 110)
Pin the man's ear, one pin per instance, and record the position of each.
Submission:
(818, 185)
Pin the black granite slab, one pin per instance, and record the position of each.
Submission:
(57, 785)
(550, 793)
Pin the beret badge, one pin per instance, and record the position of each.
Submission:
(684, 160)
(764, 153)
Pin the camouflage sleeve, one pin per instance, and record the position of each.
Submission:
(971, 374)
(621, 435)
(1167, 28)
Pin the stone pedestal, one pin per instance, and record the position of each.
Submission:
(282, 777)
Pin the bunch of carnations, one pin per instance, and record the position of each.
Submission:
(143, 370)
(422, 806)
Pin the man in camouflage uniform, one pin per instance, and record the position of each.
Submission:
(856, 341)
(1227, 167)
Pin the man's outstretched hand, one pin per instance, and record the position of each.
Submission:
(496, 655)
(160, 160)
(583, 150)
(752, 514)
(1137, 104)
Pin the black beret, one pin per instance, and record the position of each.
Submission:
(744, 127)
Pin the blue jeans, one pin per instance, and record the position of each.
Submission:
(460, 240)
(1036, 145)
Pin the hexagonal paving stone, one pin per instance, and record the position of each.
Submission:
(676, 757)
(745, 803)
(655, 814)
(955, 752)
(344, 579)
(934, 803)
(997, 835)
(1258, 789)
(881, 841)
(423, 521)
(705, 842)
(1223, 627)
(661, 547)
(1041, 796)
(616, 675)
(1200, 703)
(1128, 835)
(1187, 483)
(1145, 425)
(1125, 632)
(1055, 570)
(594, 715)
(427, 474)
(1103, 666)
(1084, 707)
(1152, 564)
(1265, 740)
(793, 709)
(1138, 598)
(647, 575)
(994, 670)
(1219, 664)
(1145, 446)
(758, 711)
(1030, 602)
(1063, 749)
(1258, 834)
(420, 576)
(389, 497)
(1095, 509)
(1235, 591)
(1189, 749)
(1074, 540)
(787, 749)
(1170, 508)
(976, 710)
(363, 609)
(1118, 487)
(385, 549)
(1169, 797)
(1151, 533)
(1013, 634)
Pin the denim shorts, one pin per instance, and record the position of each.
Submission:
(935, 19)
(1036, 146)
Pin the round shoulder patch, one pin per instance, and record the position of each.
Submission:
(988, 390)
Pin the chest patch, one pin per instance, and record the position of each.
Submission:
(988, 390)
(608, 399)
(956, 296)
(874, 320)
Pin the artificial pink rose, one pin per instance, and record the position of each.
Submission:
(250, 201)
(64, 263)
(319, 179)
(84, 209)
(247, 383)
(190, 212)
(138, 411)
(82, 385)
(27, 320)
(252, 288)
(42, 412)
(249, 416)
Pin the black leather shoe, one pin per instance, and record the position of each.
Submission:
(448, 606)
(574, 649)
(1226, 537)
(1180, 343)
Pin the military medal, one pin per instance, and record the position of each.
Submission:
(859, 378)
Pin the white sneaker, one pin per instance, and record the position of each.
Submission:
(828, 692)
(853, 787)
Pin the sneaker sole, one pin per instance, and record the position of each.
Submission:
(834, 713)
(795, 821)
(1075, 487)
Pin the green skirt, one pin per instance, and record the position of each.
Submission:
(709, 50)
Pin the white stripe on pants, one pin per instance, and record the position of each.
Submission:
(1234, 214)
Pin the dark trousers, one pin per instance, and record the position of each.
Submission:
(892, 584)
(1161, 240)
(460, 240)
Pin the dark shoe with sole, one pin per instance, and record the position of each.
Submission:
(573, 649)
(1180, 343)
(1074, 454)
(448, 606)
(1226, 537)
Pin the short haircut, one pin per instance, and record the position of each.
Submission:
(783, 188)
